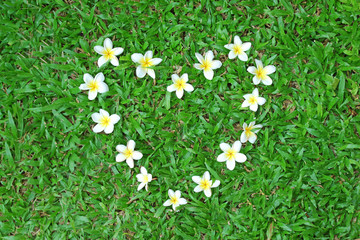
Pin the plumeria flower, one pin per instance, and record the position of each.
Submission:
(238, 49)
(128, 153)
(231, 154)
(146, 61)
(104, 121)
(205, 184)
(207, 64)
(261, 73)
(144, 178)
(253, 100)
(180, 84)
(108, 53)
(175, 199)
(247, 134)
(94, 85)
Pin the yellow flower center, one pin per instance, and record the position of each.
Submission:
(93, 85)
(260, 73)
(174, 200)
(248, 131)
(230, 154)
(108, 53)
(128, 153)
(206, 65)
(146, 179)
(146, 62)
(252, 100)
(237, 49)
(180, 84)
(105, 121)
(205, 184)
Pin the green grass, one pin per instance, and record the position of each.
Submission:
(59, 180)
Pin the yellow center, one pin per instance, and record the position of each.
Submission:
(108, 53)
(252, 100)
(128, 153)
(146, 62)
(180, 84)
(248, 131)
(205, 184)
(260, 73)
(146, 179)
(105, 121)
(237, 49)
(174, 200)
(206, 65)
(230, 154)
(93, 85)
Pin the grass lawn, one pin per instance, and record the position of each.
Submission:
(60, 180)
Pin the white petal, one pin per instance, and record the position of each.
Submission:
(115, 61)
(171, 193)
(98, 128)
(143, 171)
(114, 118)
(121, 148)
(196, 179)
(131, 145)
(167, 203)
(252, 124)
(120, 157)
(267, 81)
(258, 126)
(258, 64)
(140, 72)
(237, 40)
(136, 57)
(174, 206)
(103, 87)
(149, 177)
(251, 69)
(246, 103)
(224, 147)
(99, 77)
(256, 80)
(209, 55)
(130, 162)
(199, 57)
(229, 46)
(243, 57)
(197, 66)
(156, 61)
(108, 43)
(254, 107)
(188, 87)
(141, 185)
(148, 54)
(178, 194)
(252, 138)
(261, 100)
(236, 146)
(207, 192)
(255, 92)
(215, 184)
(243, 138)
(209, 74)
(104, 113)
(230, 164)
(244, 125)
(182, 201)
(232, 54)
(84, 86)
(198, 189)
(92, 94)
(99, 49)
(246, 46)
(140, 177)
(270, 69)
(101, 61)
(109, 129)
(174, 77)
(239, 157)
(171, 88)
(96, 117)
(88, 78)
(216, 64)
(137, 155)
(206, 176)
(185, 77)
(222, 158)
(180, 93)
(151, 73)
(118, 51)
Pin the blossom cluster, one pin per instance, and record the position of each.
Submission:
(145, 66)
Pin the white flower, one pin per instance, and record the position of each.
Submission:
(253, 100)
(144, 178)
(108, 53)
(104, 121)
(94, 85)
(247, 134)
(146, 61)
(238, 49)
(205, 184)
(231, 154)
(128, 153)
(261, 73)
(207, 64)
(175, 199)
(180, 84)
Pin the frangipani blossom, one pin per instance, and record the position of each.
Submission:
(146, 61)
(128, 153)
(253, 100)
(247, 134)
(205, 184)
(108, 53)
(175, 199)
(231, 154)
(104, 121)
(207, 64)
(238, 49)
(261, 73)
(94, 85)
(180, 84)
(144, 178)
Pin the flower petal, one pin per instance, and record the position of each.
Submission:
(236, 146)
(96, 117)
(149, 177)
(92, 94)
(222, 158)
(167, 203)
(137, 155)
(171, 88)
(239, 157)
(252, 138)
(256, 92)
(246, 46)
(209, 55)
(121, 148)
(84, 86)
(215, 184)
(99, 49)
(88, 78)
(232, 55)
(120, 157)
(216, 64)
(197, 66)
(199, 57)
(115, 61)
(206, 176)
(224, 147)
(207, 192)
(99, 77)
(140, 177)
(104, 113)
(261, 101)
(156, 61)
(118, 51)
(180, 93)
(229, 46)
(267, 81)
(259, 64)
(130, 162)
(182, 201)
(143, 171)
(254, 107)
(256, 80)
(243, 57)
(151, 73)
(196, 179)
(102, 60)
(178, 194)
(237, 40)
(141, 185)
(140, 72)
(251, 69)
(185, 77)
(136, 57)
(149, 54)
(209, 74)
(103, 87)
(98, 128)
(243, 137)
(188, 87)
(171, 193)
(114, 118)
(246, 103)
(198, 189)
(174, 77)
(108, 43)
(230, 164)
(131, 145)
(109, 129)
(270, 69)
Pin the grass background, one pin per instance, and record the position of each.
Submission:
(59, 180)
